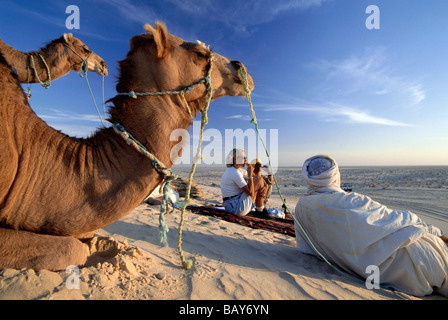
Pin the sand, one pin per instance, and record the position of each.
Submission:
(230, 261)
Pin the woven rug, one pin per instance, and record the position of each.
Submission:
(283, 226)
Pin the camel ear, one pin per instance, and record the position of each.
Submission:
(160, 36)
(67, 37)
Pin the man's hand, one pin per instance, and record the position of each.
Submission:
(249, 170)
(445, 239)
(267, 169)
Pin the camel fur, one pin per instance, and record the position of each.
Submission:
(60, 59)
(55, 189)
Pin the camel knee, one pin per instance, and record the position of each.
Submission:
(61, 253)
(71, 252)
(22, 249)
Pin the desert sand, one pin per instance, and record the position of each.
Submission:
(230, 261)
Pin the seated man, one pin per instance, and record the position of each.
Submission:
(354, 232)
(239, 196)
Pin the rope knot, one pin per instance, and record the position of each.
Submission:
(132, 94)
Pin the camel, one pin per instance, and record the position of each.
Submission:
(60, 55)
(56, 190)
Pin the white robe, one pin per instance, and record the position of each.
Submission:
(354, 232)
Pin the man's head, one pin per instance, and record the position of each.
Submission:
(319, 165)
(321, 174)
(236, 158)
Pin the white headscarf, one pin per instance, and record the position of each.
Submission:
(321, 174)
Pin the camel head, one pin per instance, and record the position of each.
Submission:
(75, 47)
(159, 61)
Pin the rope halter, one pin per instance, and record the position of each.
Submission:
(164, 171)
(120, 130)
(207, 81)
(84, 63)
(30, 63)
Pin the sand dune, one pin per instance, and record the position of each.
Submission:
(230, 261)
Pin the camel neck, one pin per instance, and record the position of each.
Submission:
(152, 120)
(17, 59)
(26, 73)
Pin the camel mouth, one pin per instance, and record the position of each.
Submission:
(102, 72)
(241, 72)
(100, 69)
(236, 87)
(249, 83)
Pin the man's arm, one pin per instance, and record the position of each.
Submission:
(249, 188)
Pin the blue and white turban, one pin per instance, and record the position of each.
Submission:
(321, 174)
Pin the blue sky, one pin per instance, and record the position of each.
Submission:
(324, 81)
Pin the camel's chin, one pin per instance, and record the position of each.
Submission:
(99, 71)
(102, 73)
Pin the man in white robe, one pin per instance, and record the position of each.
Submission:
(355, 232)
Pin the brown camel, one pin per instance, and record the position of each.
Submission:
(60, 55)
(56, 189)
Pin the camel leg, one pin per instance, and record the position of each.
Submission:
(22, 249)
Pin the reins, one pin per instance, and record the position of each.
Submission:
(166, 173)
(83, 70)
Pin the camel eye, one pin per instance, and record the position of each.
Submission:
(201, 54)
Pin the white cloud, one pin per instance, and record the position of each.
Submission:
(72, 124)
(371, 72)
(132, 11)
(242, 14)
(359, 116)
(240, 117)
(334, 112)
(418, 93)
(61, 116)
(245, 118)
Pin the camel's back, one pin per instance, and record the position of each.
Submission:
(11, 94)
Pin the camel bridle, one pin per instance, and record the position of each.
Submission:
(120, 130)
(84, 63)
(166, 173)
(207, 80)
(31, 65)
